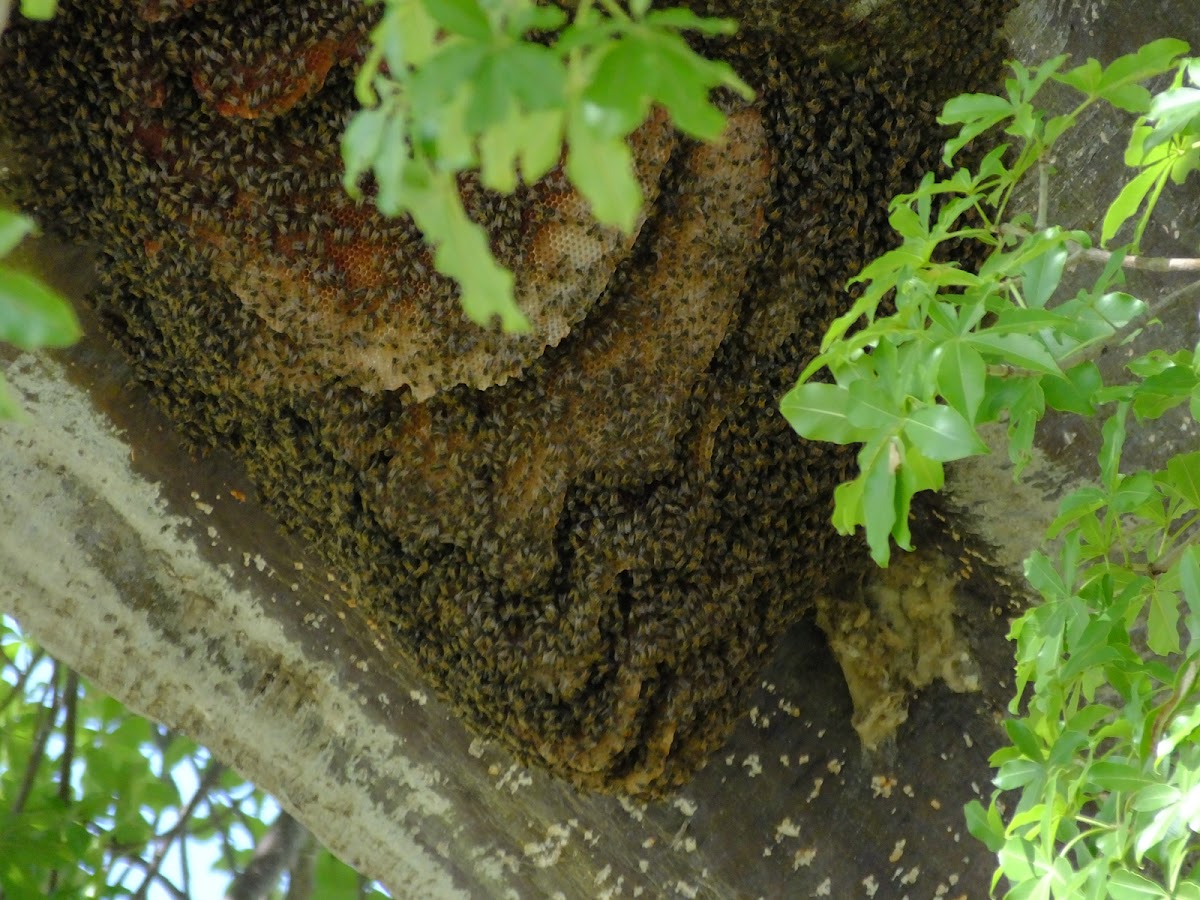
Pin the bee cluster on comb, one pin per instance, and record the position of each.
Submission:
(589, 535)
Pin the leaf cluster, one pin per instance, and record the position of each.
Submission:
(451, 86)
(1104, 759)
(93, 797)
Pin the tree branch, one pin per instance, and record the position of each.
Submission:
(301, 875)
(159, 877)
(19, 687)
(207, 783)
(67, 760)
(1144, 263)
(276, 853)
(69, 728)
(41, 736)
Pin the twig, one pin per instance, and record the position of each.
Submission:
(67, 760)
(45, 726)
(275, 854)
(207, 782)
(69, 728)
(19, 687)
(303, 871)
(185, 872)
(162, 879)
(1094, 254)
(1143, 263)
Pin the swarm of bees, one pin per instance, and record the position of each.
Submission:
(590, 536)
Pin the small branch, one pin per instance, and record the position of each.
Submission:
(41, 736)
(302, 874)
(1143, 263)
(67, 760)
(69, 731)
(275, 854)
(19, 688)
(185, 872)
(159, 877)
(1095, 254)
(211, 775)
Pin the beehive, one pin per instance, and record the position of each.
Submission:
(589, 536)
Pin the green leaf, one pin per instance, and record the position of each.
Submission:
(879, 460)
(683, 84)
(1113, 435)
(1084, 78)
(1019, 350)
(39, 9)
(1017, 773)
(1126, 885)
(686, 20)
(33, 315)
(961, 377)
(1118, 776)
(542, 148)
(1074, 391)
(1189, 576)
(977, 113)
(818, 412)
(1042, 274)
(1127, 203)
(360, 146)
(872, 407)
(1183, 475)
(1118, 309)
(1163, 623)
(1154, 797)
(942, 434)
(461, 251)
(1174, 111)
(498, 149)
(619, 93)
(847, 506)
(13, 229)
(1024, 739)
(602, 168)
(534, 74)
(465, 17)
(985, 824)
(1043, 577)
(974, 108)
(1147, 61)
(1164, 391)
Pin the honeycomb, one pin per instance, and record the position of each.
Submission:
(590, 536)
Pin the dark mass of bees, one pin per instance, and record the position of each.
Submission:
(589, 536)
